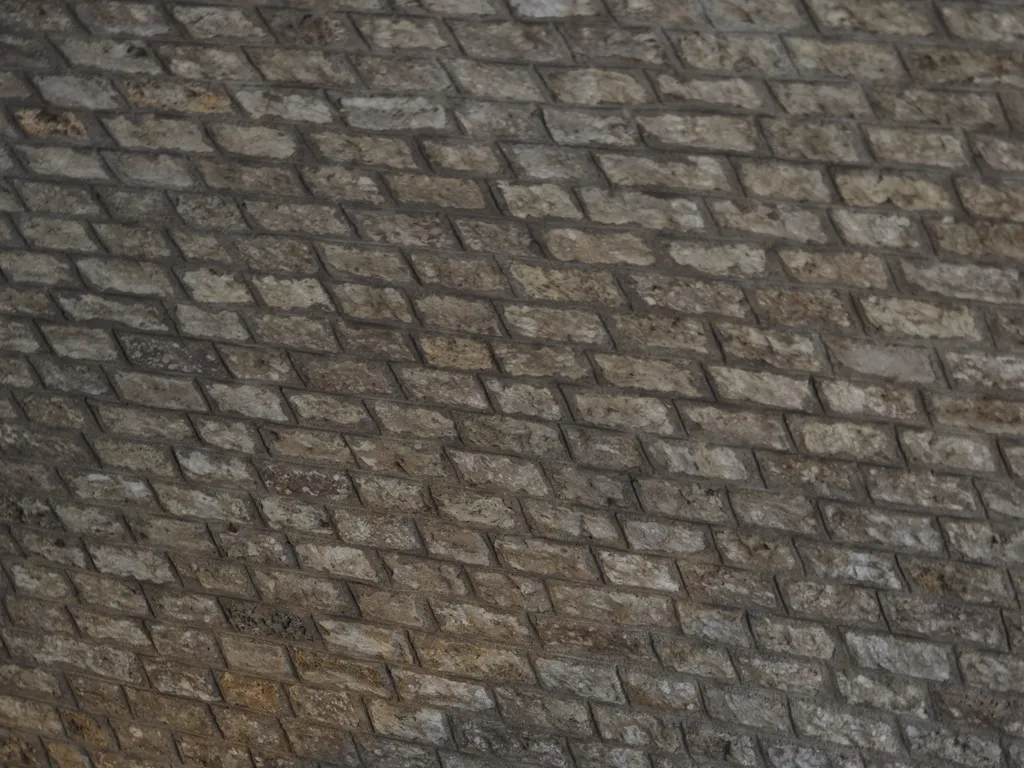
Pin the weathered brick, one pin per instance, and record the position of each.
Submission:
(946, 451)
(827, 100)
(962, 281)
(733, 53)
(905, 192)
(337, 560)
(998, 417)
(845, 439)
(833, 601)
(780, 180)
(799, 677)
(921, 319)
(777, 349)
(769, 389)
(849, 60)
(921, 490)
(907, 657)
(846, 728)
(699, 459)
(771, 220)
(700, 132)
(853, 566)
(473, 660)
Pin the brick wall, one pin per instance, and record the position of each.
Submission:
(535, 383)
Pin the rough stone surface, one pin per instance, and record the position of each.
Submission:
(490, 383)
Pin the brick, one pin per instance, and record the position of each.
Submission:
(971, 583)
(440, 691)
(997, 417)
(980, 707)
(732, 92)
(395, 113)
(654, 375)
(921, 319)
(726, 586)
(688, 173)
(827, 100)
(733, 53)
(337, 560)
(699, 459)
(566, 285)
(904, 192)
(620, 411)
(505, 40)
(846, 267)
(503, 81)
(899, 363)
(949, 452)
(777, 349)
(845, 728)
(110, 55)
(798, 677)
(175, 96)
(853, 566)
(76, 91)
(473, 660)
(555, 324)
(962, 281)
(692, 658)
(844, 439)
(833, 601)
(541, 710)
(921, 490)
(512, 435)
(771, 220)
(907, 657)
(526, 201)
(537, 556)
(700, 132)
(999, 498)
(618, 606)
(995, 201)
(891, 694)
(996, 26)
(736, 427)
(812, 141)
(520, 121)
(680, 294)
(965, 749)
(878, 230)
(248, 400)
(597, 86)
(910, 19)
(803, 308)
(586, 247)
(752, 708)
(790, 182)
(769, 389)
(865, 526)
(850, 60)
(579, 678)
(52, 198)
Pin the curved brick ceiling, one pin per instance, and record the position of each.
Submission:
(540, 383)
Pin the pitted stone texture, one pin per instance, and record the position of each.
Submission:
(477, 383)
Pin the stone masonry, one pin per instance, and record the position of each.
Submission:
(512, 383)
